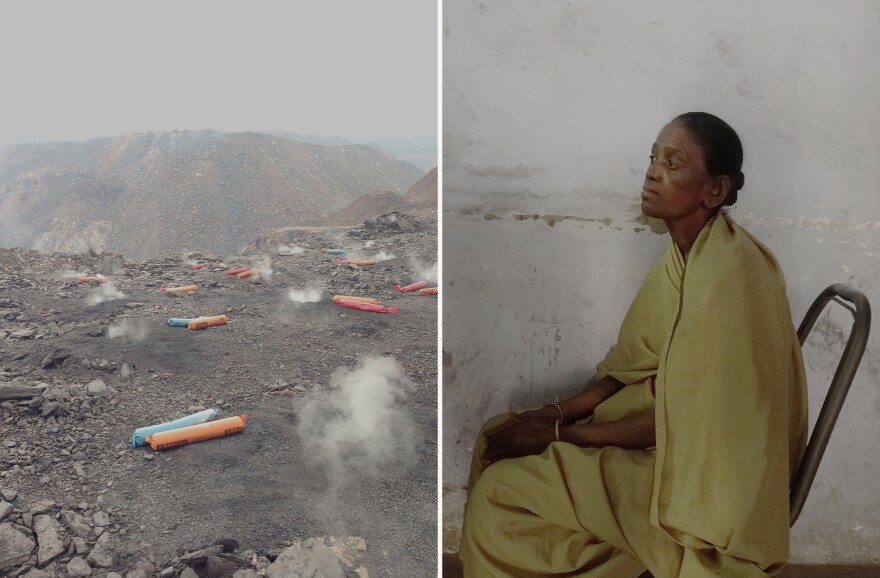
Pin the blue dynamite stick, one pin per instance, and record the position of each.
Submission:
(180, 322)
(140, 435)
(336, 252)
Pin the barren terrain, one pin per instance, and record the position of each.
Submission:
(340, 437)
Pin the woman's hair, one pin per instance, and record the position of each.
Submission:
(721, 146)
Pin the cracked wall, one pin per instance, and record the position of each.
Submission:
(550, 110)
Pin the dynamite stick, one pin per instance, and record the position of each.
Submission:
(181, 322)
(98, 279)
(338, 298)
(366, 306)
(175, 438)
(335, 251)
(430, 291)
(244, 274)
(200, 267)
(205, 322)
(412, 287)
(236, 271)
(140, 435)
(353, 262)
(187, 289)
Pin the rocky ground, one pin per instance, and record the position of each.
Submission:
(335, 471)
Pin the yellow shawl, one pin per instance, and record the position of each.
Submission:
(714, 338)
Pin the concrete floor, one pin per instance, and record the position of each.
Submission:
(452, 569)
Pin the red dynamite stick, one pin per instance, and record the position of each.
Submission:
(236, 271)
(200, 267)
(366, 306)
(412, 287)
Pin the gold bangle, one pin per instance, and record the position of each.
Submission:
(561, 415)
(557, 430)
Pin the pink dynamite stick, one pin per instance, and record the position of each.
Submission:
(187, 289)
(413, 287)
(366, 306)
(236, 271)
(200, 267)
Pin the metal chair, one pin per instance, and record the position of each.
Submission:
(857, 304)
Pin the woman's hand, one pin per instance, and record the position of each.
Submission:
(525, 434)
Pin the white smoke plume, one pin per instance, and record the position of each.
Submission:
(290, 250)
(358, 424)
(305, 295)
(127, 328)
(383, 256)
(105, 292)
(424, 271)
(369, 243)
(265, 267)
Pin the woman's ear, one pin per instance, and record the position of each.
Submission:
(718, 188)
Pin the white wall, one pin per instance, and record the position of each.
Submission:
(550, 110)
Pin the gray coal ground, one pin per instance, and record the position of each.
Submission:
(66, 437)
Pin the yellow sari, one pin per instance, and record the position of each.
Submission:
(710, 344)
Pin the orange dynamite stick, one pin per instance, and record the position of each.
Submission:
(191, 434)
(187, 289)
(353, 262)
(366, 306)
(412, 287)
(430, 291)
(95, 279)
(205, 322)
(338, 298)
(236, 271)
(244, 274)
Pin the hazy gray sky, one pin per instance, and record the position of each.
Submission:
(353, 68)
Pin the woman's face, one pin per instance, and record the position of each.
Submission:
(676, 183)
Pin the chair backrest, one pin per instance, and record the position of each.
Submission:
(856, 302)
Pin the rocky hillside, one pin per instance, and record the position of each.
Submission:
(335, 472)
(420, 200)
(144, 195)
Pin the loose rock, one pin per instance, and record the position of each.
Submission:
(310, 558)
(15, 548)
(48, 537)
(78, 568)
(101, 555)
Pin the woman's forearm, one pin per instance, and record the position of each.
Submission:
(581, 405)
(633, 432)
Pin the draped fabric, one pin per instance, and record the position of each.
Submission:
(709, 343)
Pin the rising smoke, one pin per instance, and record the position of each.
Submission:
(290, 250)
(383, 256)
(105, 292)
(127, 328)
(305, 295)
(358, 424)
(424, 271)
(265, 267)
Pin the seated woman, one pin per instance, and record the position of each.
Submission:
(678, 459)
